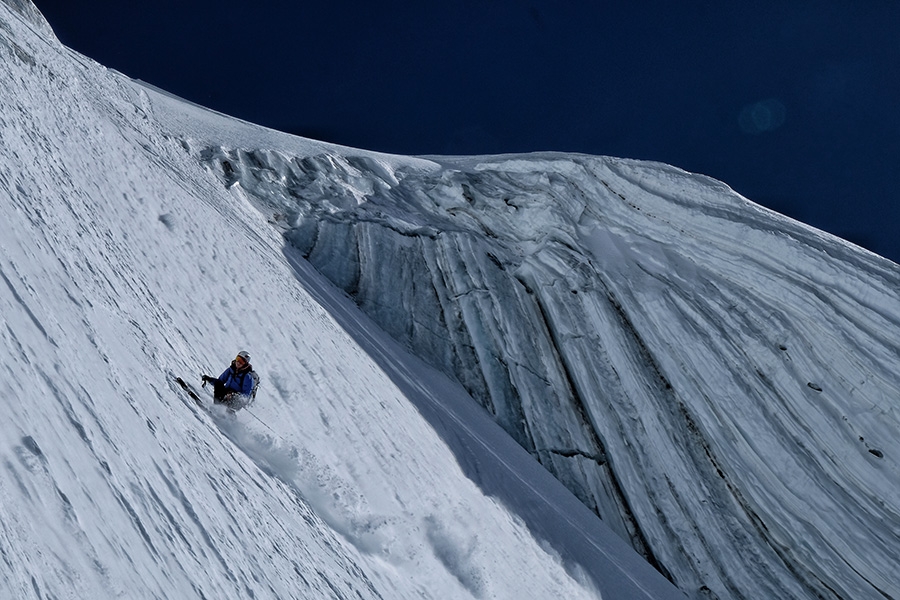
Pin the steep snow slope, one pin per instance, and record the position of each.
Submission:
(716, 381)
(360, 473)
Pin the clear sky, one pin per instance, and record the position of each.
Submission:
(796, 105)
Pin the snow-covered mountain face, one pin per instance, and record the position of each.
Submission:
(715, 381)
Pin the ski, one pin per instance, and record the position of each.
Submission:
(189, 390)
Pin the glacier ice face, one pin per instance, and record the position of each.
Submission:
(716, 381)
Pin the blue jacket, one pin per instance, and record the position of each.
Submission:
(239, 381)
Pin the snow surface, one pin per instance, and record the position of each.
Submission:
(716, 381)
(360, 472)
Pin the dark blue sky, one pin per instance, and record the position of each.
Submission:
(796, 105)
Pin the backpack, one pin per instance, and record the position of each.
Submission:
(255, 377)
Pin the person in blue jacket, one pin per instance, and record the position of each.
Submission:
(233, 387)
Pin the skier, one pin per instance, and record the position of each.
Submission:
(236, 386)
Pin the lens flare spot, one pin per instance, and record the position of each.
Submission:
(762, 117)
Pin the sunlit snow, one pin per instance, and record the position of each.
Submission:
(465, 360)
